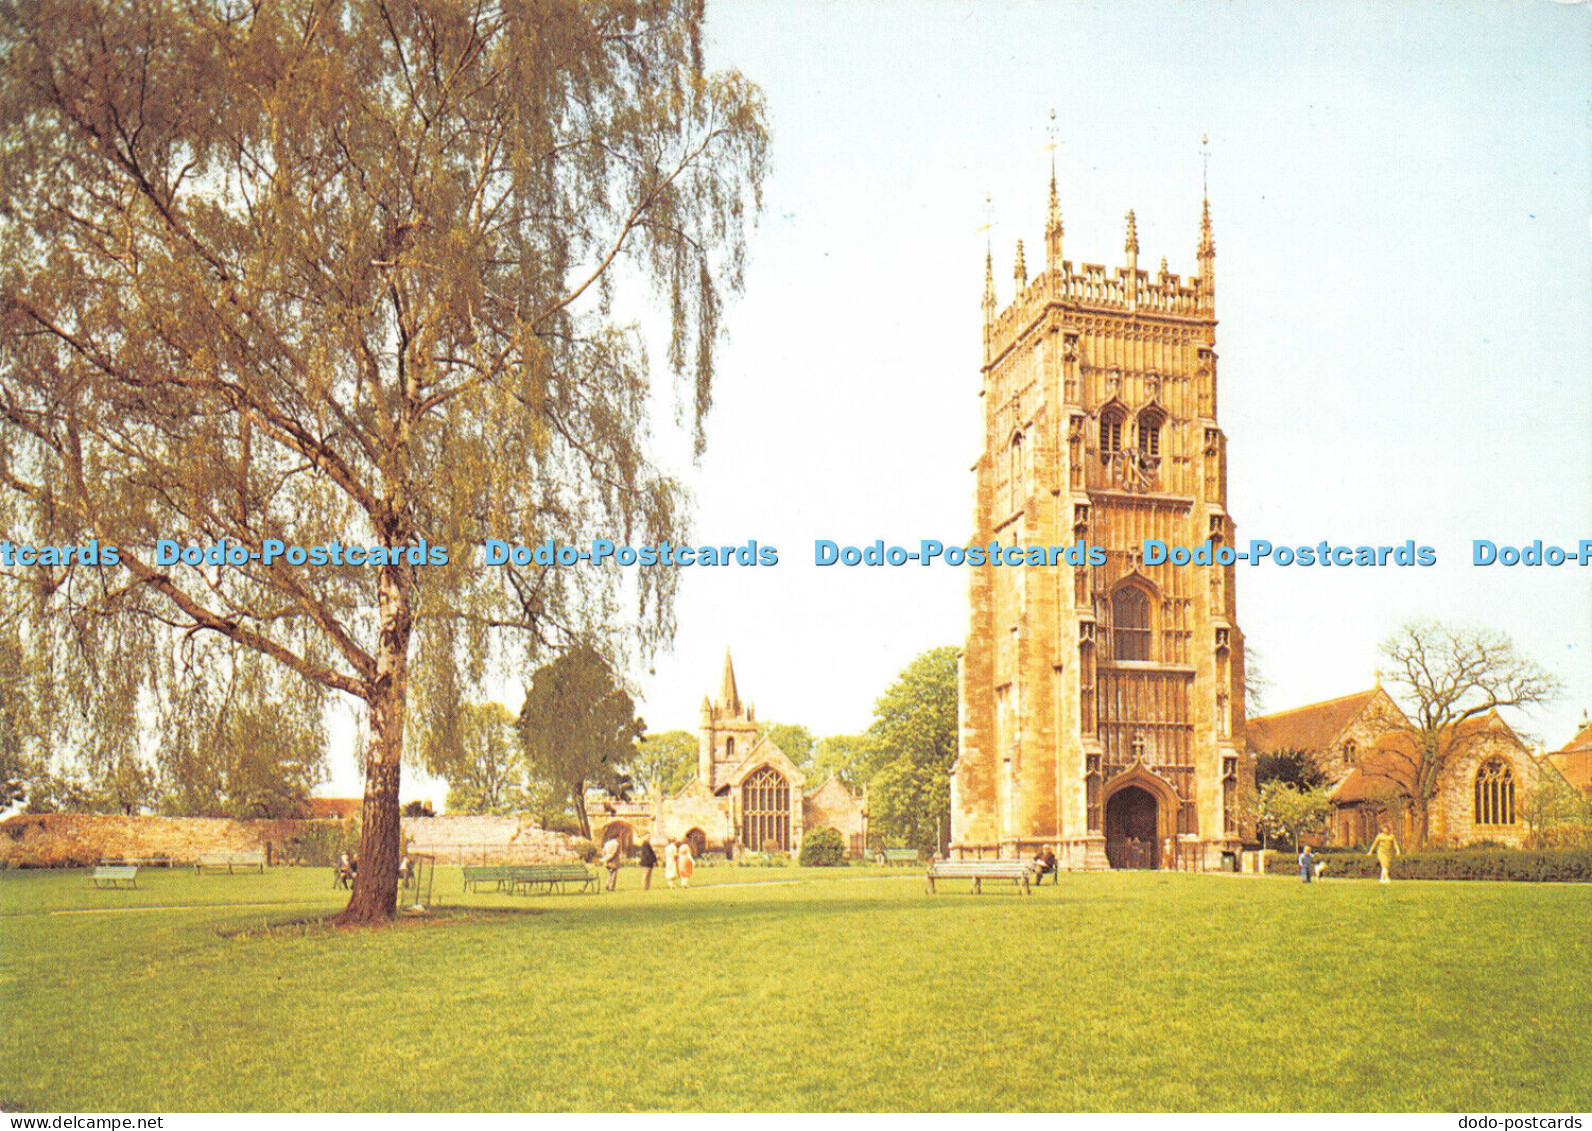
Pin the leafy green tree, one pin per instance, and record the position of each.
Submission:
(842, 756)
(253, 745)
(350, 278)
(795, 740)
(485, 771)
(50, 792)
(1556, 814)
(912, 744)
(578, 727)
(1296, 767)
(664, 763)
(1289, 812)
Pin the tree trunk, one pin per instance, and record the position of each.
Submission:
(579, 799)
(374, 900)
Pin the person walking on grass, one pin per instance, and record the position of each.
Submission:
(671, 862)
(648, 859)
(1384, 848)
(611, 859)
(687, 864)
(1307, 864)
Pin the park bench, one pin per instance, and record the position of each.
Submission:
(531, 876)
(113, 875)
(230, 862)
(889, 856)
(495, 874)
(1020, 872)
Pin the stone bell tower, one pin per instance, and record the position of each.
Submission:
(1101, 703)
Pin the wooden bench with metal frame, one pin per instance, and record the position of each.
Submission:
(113, 875)
(1020, 872)
(477, 874)
(530, 876)
(230, 862)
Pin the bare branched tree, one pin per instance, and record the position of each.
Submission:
(1449, 680)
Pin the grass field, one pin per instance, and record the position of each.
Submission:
(848, 989)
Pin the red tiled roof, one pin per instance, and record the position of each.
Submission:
(323, 808)
(1310, 728)
(1574, 760)
(1388, 767)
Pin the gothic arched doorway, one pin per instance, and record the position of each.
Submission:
(698, 840)
(626, 835)
(1131, 825)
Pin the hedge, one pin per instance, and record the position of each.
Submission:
(1450, 864)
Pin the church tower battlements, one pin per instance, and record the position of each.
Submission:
(1101, 704)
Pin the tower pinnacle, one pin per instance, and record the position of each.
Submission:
(1020, 269)
(1207, 257)
(1053, 224)
(989, 285)
(1132, 244)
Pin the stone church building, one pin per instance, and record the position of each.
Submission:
(1100, 699)
(1360, 744)
(747, 794)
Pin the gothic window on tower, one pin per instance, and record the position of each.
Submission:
(1130, 624)
(1110, 434)
(1150, 435)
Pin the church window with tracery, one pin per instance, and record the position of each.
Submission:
(765, 811)
(1495, 793)
(1130, 624)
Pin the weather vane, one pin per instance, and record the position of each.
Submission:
(1205, 164)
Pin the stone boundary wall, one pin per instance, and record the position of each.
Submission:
(63, 840)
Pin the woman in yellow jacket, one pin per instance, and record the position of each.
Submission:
(1384, 848)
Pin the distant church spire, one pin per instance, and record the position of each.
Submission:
(729, 698)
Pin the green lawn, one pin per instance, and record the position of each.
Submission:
(849, 989)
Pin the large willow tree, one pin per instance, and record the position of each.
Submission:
(353, 270)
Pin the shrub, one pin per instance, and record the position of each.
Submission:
(822, 848)
(585, 850)
(1453, 864)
